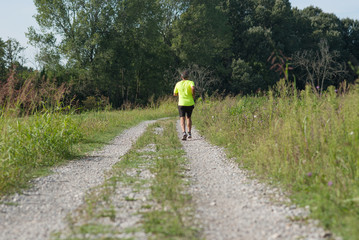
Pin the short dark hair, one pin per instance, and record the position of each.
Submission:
(185, 74)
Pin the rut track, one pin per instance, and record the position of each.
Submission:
(41, 210)
(229, 204)
(233, 206)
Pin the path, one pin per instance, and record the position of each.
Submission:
(232, 206)
(39, 211)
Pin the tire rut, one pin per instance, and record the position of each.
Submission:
(42, 209)
(231, 205)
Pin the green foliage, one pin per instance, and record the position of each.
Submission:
(244, 79)
(309, 145)
(93, 103)
(202, 34)
(128, 50)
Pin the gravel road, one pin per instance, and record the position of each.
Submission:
(231, 205)
(39, 211)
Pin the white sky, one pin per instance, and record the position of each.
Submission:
(16, 16)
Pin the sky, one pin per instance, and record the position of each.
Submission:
(16, 16)
(341, 8)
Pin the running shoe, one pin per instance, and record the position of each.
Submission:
(189, 135)
(184, 136)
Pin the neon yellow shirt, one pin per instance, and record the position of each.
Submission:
(184, 90)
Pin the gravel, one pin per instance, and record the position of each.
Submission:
(231, 205)
(41, 210)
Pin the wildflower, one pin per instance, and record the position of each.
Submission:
(351, 133)
(254, 116)
(330, 183)
(309, 174)
(317, 87)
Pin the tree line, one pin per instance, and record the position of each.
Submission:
(130, 51)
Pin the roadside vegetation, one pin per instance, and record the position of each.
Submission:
(307, 143)
(30, 144)
(148, 182)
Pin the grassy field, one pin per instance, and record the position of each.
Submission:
(30, 145)
(307, 144)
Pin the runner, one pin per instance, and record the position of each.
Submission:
(185, 91)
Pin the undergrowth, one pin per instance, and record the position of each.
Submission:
(31, 144)
(307, 144)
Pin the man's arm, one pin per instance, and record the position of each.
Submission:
(175, 91)
(193, 91)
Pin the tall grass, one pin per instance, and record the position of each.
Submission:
(306, 143)
(35, 131)
(29, 145)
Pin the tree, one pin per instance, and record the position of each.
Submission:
(136, 54)
(202, 34)
(351, 38)
(78, 25)
(3, 71)
(324, 26)
(203, 78)
(260, 27)
(244, 78)
(320, 67)
(114, 48)
(13, 53)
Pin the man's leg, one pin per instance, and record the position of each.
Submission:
(189, 121)
(183, 125)
(189, 124)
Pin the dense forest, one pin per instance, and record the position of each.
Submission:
(130, 51)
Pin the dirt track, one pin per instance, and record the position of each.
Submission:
(229, 204)
(39, 211)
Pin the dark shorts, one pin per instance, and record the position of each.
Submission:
(183, 110)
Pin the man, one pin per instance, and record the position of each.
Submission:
(185, 91)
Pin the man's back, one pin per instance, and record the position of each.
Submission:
(184, 90)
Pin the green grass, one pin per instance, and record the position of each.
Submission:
(308, 145)
(30, 145)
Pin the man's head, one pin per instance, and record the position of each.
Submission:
(185, 74)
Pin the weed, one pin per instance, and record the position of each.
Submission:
(306, 143)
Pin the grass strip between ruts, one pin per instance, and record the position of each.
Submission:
(166, 212)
